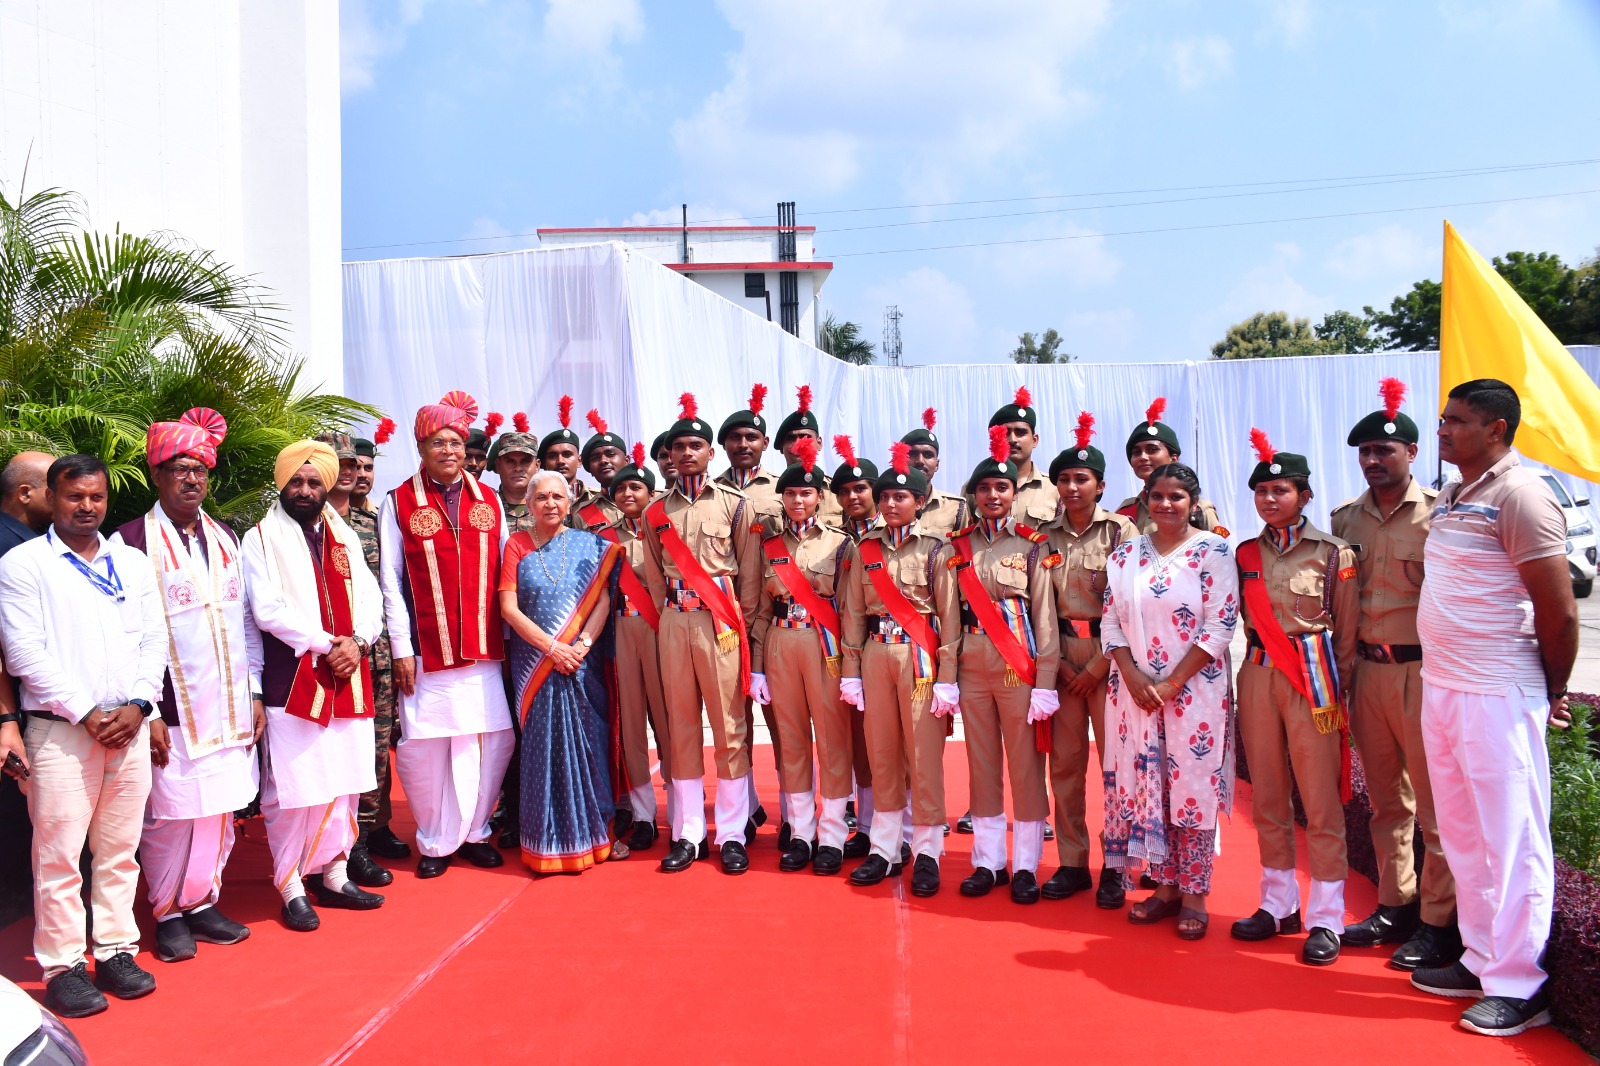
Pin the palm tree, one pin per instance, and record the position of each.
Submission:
(843, 340)
(102, 334)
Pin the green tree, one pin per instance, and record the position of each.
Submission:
(1545, 284)
(102, 334)
(1585, 325)
(1344, 331)
(843, 340)
(1412, 320)
(1269, 333)
(1042, 349)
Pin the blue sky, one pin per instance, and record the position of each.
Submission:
(472, 119)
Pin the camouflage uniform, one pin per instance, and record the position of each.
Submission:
(518, 518)
(374, 807)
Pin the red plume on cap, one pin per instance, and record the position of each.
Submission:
(1263, 446)
(596, 421)
(900, 457)
(688, 409)
(1085, 429)
(519, 422)
(804, 393)
(1024, 398)
(564, 411)
(385, 431)
(999, 447)
(1393, 391)
(638, 454)
(845, 449)
(929, 417)
(807, 448)
(492, 424)
(758, 398)
(1157, 408)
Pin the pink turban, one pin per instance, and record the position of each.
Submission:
(197, 433)
(456, 410)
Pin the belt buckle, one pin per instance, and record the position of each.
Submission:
(888, 627)
(689, 600)
(797, 613)
(1380, 653)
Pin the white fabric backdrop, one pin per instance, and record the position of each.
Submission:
(620, 332)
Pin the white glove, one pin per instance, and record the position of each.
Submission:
(1042, 704)
(946, 699)
(850, 692)
(758, 689)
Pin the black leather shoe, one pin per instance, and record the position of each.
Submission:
(72, 995)
(925, 876)
(299, 916)
(964, 823)
(734, 858)
(796, 857)
(1386, 925)
(703, 852)
(1049, 834)
(850, 815)
(364, 872)
(642, 836)
(432, 866)
(1431, 947)
(750, 831)
(905, 857)
(1263, 926)
(352, 897)
(1067, 882)
(981, 880)
(385, 845)
(1110, 895)
(785, 835)
(1321, 948)
(211, 926)
(679, 857)
(828, 861)
(858, 846)
(122, 977)
(174, 942)
(1024, 887)
(482, 854)
(873, 869)
(759, 816)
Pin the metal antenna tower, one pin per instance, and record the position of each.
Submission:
(891, 334)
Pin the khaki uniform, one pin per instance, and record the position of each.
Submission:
(586, 496)
(858, 734)
(1275, 721)
(944, 513)
(761, 491)
(373, 811)
(905, 742)
(1079, 588)
(1038, 501)
(1386, 711)
(1134, 510)
(639, 694)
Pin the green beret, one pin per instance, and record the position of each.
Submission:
(658, 444)
(913, 480)
(602, 440)
(860, 470)
(631, 473)
(366, 447)
(925, 435)
(1089, 458)
(478, 439)
(559, 436)
(1380, 425)
(800, 418)
(1155, 431)
(1020, 409)
(798, 477)
(990, 467)
(1284, 464)
(749, 418)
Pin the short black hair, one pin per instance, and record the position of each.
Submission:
(73, 467)
(1186, 478)
(1493, 399)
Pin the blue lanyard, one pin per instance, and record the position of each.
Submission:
(110, 585)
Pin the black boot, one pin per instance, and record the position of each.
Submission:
(1431, 947)
(679, 857)
(828, 861)
(796, 857)
(385, 845)
(644, 835)
(857, 846)
(925, 876)
(1110, 895)
(980, 881)
(873, 869)
(734, 858)
(365, 872)
(1024, 887)
(1263, 926)
(1067, 882)
(1386, 925)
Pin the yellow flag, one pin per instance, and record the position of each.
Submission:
(1487, 331)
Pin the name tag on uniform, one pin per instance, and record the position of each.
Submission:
(1251, 575)
(873, 566)
(781, 561)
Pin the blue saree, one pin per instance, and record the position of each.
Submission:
(567, 800)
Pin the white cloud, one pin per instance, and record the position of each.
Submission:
(490, 235)
(368, 31)
(592, 26)
(1271, 287)
(1380, 255)
(1199, 62)
(940, 324)
(1289, 20)
(932, 92)
(699, 214)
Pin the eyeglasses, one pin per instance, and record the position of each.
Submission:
(199, 475)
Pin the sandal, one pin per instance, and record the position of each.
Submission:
(1154, 909)
(1189, 914)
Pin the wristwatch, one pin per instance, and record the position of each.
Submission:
(144, 707)
(363, 647)
(586, 641)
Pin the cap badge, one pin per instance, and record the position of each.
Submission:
(694, 425)
(1022, 412)
(808, 479)
(1275, 468)
(856, 470)
(1388, 427)
(1082, 454)
(901, 478)
(1153, 431)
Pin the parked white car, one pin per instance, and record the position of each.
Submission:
(1580, 538)
(31, 1035)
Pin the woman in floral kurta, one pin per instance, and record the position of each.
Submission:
(1169, 616)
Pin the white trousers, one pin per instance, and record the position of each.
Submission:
(304, 840)
(989, 843)
(183, 860)
(452, 784)
(1280, 897)
(1491, 791)
(642, 802)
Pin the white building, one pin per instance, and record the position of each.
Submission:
(217, 120)
(744, 264)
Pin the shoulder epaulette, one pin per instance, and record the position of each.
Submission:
(1029, 533)
(963, 531)
(1346, 504)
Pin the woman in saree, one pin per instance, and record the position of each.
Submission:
(555, 595)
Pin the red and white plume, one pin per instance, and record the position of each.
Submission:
(804, 394)
(385, 431)
(1157, 408)
(492, 424)
(758, 398)
(519, 422)
(1024, 398)
(900, 457)
(1085, 429)
(1393, 391)
(929, 417)
(1264, 450)
(598, 423)
(999, 447)
(807, 448)
(638, 454)
(564, 412)
(688, 408)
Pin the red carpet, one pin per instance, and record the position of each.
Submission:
(623, 963)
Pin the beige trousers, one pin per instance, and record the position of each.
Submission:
(639, 693)
(699, 671)
(905, 742)
(999, 737)
(1069, 755)
(806, 700)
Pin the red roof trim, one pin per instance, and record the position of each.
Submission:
(707, 268)
(670, 229)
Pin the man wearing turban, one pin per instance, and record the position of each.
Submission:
(319, 610)
(440, 536)
(201, 744)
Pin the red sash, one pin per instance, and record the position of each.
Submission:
(994, 626)
(452, 576)
(567, 632)
(593, 515)
(799, 588)
(632, 587)
(1130, 512)
(315, 694)
(722, 607)
(905, 614)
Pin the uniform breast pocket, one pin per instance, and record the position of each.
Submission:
(1410, 556)
(1011, 579)
(1039, 513)
(913, 575)
(718, 537)
(1307, 591)
(1094, 573)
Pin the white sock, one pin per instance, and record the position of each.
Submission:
(334, 875)
(292, 889)
(197, 910)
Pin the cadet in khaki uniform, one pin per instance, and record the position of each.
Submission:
(703, 635)
(943, 512)
(603, 455)
(1084, 536)
(1386, 527)
(637, 619)
(802, 422)
(1153, 443)
(795, 663)
(1006, 622)
(903, 686)
(661, 455)
(854, 484)
(558, 451)
(1301, 607)
(513, 457)
(1036, 501)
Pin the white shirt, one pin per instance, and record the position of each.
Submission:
(72, 646)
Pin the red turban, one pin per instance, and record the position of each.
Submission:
(456, 410)
(197, 433)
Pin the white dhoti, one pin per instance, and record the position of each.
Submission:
(315, 778)
(188, 825)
